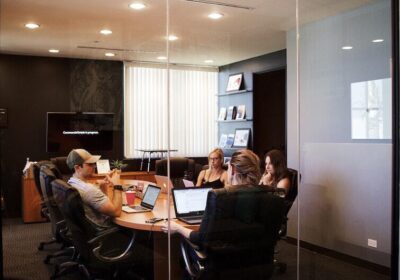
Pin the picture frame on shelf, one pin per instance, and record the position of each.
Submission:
(222, 114)
(222, 140)
(227, 160)
(242, 136)
(234, 82)
(231, 114)
(229, 141)
(241, 112)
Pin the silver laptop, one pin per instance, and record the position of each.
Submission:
(148, 202)
(190, 203)
(164, 183)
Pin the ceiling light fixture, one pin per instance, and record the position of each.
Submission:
(106, 31)
(377, 41)
(172, 38)
(110, 54)
(215, 15)
(54, 51)
(137, 6)
(208, 61)
(162, 57)
(347, 47)
(32, 25)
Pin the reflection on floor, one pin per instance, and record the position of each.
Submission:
(22, 260)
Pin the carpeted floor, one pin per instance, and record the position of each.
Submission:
(22, 260)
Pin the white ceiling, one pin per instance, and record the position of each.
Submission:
(68, 25)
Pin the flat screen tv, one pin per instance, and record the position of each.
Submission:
(91, 131)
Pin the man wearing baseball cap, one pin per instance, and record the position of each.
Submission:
(98, 207)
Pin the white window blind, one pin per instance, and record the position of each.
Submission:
(193, 110)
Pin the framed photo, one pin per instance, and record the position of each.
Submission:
(242, 136)
(241, 112)
(227, 160)
(234, 82)
(222, 114)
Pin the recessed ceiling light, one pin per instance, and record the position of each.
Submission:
(32, 25)
(54, 51)
(347, 48)
(172, 38)
(106, 31)
(162, 57)
(377, 41)
(109, 54)
(137, 6)
(215, 15)
(208, 61)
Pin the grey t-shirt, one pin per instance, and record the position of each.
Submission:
(93, 199)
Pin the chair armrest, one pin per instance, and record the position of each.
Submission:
(98, 240)
(193, 262)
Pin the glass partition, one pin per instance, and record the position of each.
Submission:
(345, 138)
(227, 82)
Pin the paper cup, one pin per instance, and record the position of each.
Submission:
(130, 197)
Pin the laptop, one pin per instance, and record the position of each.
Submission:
(163, 182)
(190, 203)
(187, 183)
(148, 201)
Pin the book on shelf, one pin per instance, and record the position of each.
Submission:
(241, 112)
(222, 114)
(231, 114)
(222, 140)
(229, 140)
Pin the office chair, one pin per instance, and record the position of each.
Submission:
(48, 173)
(180, 168)
(237, 235)
(61, 164)
(100, 249)
(289, 200)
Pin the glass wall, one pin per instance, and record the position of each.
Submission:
(345, 144)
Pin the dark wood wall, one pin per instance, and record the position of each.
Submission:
(32, 86)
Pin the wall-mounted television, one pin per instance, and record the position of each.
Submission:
(91, 131)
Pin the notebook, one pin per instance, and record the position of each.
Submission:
(190, 203)
(148, 201)
(163, 182)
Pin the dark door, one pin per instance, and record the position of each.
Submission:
(269, 97)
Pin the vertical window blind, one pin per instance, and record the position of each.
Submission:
(193, 110)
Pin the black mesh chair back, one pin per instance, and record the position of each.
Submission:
(49, 173)
(240, 228)
(180, 168)
(292, 194)
(61, 164)
(36, 175)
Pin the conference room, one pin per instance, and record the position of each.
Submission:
(158, 89)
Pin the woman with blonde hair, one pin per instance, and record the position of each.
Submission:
(215, 176)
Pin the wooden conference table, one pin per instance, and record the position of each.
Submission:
(137, 221)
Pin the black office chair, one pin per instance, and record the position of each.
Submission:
(48, 173)
(62, 167)
(105, 250)
(180, 168)
(237, 235)
(289, 200)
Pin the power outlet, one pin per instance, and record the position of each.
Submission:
(372, 243)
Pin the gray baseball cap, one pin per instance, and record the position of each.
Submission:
(80, 156)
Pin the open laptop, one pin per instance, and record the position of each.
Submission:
(163, 182)
(148, 201)
(190, 203)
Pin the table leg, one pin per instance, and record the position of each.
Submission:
(141, 163)
(148, 163)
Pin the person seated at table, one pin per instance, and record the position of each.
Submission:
(243, 171)
(215, 176)
(276, 174)
(98, 207)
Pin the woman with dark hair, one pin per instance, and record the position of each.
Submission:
(276, 174)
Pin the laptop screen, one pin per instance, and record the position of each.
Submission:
(151, 195)
(190, 200)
